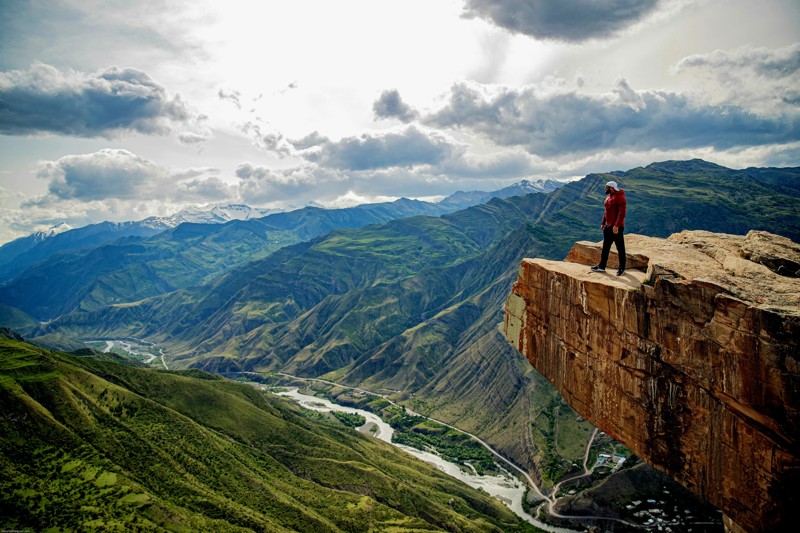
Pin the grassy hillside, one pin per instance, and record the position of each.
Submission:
(89, 444)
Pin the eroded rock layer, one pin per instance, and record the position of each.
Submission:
(693, 364)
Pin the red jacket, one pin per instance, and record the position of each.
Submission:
(614, 214)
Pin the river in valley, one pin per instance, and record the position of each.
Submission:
(506, 488)
(139, 349)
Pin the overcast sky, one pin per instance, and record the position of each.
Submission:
(118, 110)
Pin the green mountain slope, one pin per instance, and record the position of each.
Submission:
(131, 269)
(294, 279)
(13, 318)
(89, 444)
(20, 254)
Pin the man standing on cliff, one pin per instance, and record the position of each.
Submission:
(613, 227)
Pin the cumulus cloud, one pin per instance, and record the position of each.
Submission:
(379, 166)
(203, 190)
(268, 140)
(570, 122)
(104, 174)
(44, 99)
(121, 175)
(196, 132)
(262, 185)
(562, 20)
(384, 179)
(31, 216)
(232, 96)
(390, 105)
(265, 186)
(769, 63)
(113, 185)
(407, 148)
(393, 163)
(766, 80)
(309, 141)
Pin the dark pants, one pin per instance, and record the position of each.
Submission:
(608, 237)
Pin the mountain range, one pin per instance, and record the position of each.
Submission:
(411, 305)
(470, 251)
(463, 199)
(193, 244)
(20, 254)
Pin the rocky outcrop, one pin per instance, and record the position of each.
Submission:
(693, 363)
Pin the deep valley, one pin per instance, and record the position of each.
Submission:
(408, 305)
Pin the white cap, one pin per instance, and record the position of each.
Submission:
(613, 185)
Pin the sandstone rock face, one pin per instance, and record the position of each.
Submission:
(693, 364)
(588, 253)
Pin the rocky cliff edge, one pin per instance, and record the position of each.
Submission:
(692, 361)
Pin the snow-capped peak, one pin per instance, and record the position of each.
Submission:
(239, 212)
(216, 215)
(539, 185)
(61, 227)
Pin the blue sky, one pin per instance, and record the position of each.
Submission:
(113, 110)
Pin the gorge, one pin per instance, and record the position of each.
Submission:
(409, 307)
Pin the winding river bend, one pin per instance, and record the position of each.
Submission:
(506, 488)
(134, 346)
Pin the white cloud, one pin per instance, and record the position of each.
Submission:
(505, 164)
(762, 79)
(484, 98)
(121, 175)
(390, 105)
(767, 63)
(351, 199)
(265, 186)
(18, 221)
(44, 99)
(573, 122)
(232, 96)
(310, 141)
(110, 184)
(268, 139)
(406, 148)
(208, 189)
(105, 174)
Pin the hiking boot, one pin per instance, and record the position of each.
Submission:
(598, 268)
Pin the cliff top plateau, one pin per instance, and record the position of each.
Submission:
(760, 268)
(690, 359)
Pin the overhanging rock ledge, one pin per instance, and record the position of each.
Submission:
(693, 362)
